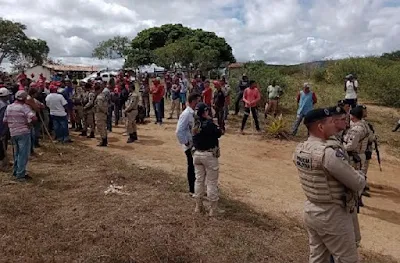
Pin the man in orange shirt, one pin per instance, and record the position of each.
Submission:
(207, 96)
(157, 91)
(251, 96)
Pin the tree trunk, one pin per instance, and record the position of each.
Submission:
(2, 57)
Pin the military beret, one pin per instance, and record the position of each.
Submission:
(336, 110)
(362, 106)
(341, 103)
(316, 115)
(357, 112)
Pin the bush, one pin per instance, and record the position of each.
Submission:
(319, 74)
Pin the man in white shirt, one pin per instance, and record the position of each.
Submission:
(351, 89)
(274, 93)
(57, 105)
(184, 135)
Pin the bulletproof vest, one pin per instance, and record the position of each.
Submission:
(362, 128)
(318, 185)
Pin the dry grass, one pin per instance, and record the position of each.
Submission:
(63, 215)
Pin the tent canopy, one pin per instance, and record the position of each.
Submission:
(151, 68)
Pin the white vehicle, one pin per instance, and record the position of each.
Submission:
(105, 75)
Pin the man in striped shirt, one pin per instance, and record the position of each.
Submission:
(18, 117)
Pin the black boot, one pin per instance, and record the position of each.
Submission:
(78, 128)
(91, 136)
(131, 139)
(396, 128)
(73, 125)
(135, 136)
(83, 133)
(103, 143)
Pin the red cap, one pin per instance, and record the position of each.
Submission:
(216, 83)
(53, 88)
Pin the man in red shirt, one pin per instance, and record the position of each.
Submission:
(157, 91)
(207, 96)
(251, 96)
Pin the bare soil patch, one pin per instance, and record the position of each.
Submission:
(63, 215)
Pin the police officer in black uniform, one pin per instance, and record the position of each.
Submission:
(205, 158)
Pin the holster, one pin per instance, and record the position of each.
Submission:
(368, 155)
(356, 158)
(216, 152)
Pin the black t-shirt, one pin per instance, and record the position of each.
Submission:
(207, 134)
(219, 99)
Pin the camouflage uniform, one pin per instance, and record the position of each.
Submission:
(100, 115)
(329, 184)
(77, 100)
(131, 111)
(88, 98)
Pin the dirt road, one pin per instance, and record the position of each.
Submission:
(260, 173)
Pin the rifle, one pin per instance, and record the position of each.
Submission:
(378, 155)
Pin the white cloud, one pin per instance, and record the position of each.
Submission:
(277, 31)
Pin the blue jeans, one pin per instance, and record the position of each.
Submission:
(60, 125)
(22, 148)
(157, 110)
(297, 123)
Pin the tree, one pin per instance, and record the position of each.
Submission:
(159, 44)
(180, 52)
(392, 56)
(16, 46)
(117, 47)
(11, 36)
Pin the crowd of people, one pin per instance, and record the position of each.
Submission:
(332, 163)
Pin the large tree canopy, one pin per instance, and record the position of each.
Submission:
(18, 48)
(116, 47)
(175, 44)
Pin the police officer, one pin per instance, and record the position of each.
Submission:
(205, 158)
(356, 141)
(88, 98)
(368, 153)
(326, 176)
(131, 111)
(78, 107)
(339, 116)
(100, 114)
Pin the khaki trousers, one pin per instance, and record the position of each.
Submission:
(101, 124)
(324, 242)
(175, 105)
(78, 114)
(88, 121)
(131, 121)
(206, 168)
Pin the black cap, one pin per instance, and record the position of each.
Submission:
(201, 108)
(342, 103)
(316, 115)
(362, 106)
(357, 112)
(336, 110)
